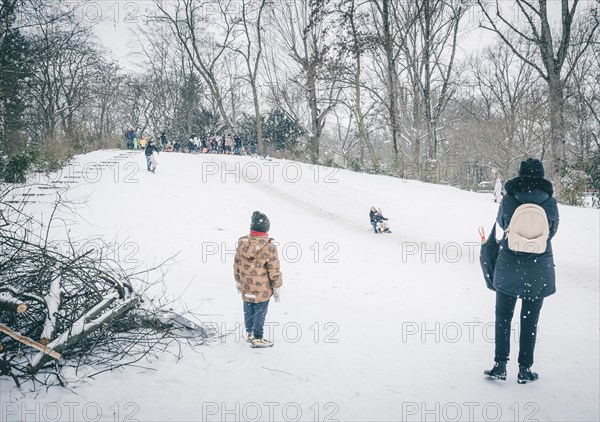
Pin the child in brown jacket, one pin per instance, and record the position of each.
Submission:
(257, 276)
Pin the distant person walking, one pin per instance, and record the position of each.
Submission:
(238, 145)
(129, 139)
(498, 190)
(149, 153)
(525, 265)
(258, 277)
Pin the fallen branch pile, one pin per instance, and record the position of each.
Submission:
(67, 307)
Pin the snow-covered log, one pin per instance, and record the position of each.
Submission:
(52, 300)
(84, 326)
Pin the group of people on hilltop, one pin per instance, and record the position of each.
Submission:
(135, 140)
(213, 144)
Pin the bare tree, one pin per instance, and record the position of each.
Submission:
(104, 101)
(506, 105)
(553, 50)
(189, 20)
(302, 32)
(138, 102)
(18, 18)
(251, 49)
(361, 40)
(439, 24)
(387, 31)
(582, 97)
(172, 81)
(67, 62)
(346, 138)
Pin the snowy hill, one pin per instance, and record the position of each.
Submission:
(370, 327)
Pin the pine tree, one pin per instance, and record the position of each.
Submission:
(15, 56)
(281, 131)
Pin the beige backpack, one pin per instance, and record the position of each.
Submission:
(528, 230)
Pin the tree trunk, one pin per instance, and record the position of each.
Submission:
(259, 129)
(362, 130)
(416, 128)
(391, 70)
(360, 118)
(431, 141)
(315, 136)
(557, 127)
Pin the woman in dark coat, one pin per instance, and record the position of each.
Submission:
(528, 276)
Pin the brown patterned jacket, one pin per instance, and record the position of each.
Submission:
(257, 268)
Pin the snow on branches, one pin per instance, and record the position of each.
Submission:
(81, 309)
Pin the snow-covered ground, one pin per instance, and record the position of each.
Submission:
(370, 327)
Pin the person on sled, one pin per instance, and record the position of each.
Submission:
(382, 224)
(378, 221)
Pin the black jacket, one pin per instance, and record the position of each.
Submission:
(375, 217)
(525, 275)
(149, 149)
